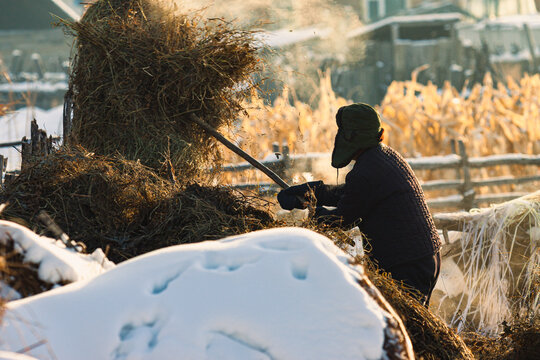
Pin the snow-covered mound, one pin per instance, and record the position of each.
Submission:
(284, 293)
(55, 263)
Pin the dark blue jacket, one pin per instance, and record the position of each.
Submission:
(382, 196)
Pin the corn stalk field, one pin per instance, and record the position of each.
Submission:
(419, 120)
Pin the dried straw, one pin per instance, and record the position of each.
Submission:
(432, 339)
(519, 340)
(141, 68)
(21, 276)
(499, 255)
(121, 204)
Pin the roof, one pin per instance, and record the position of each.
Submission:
(408, 20)
(511, 21)
(33, 14)
(439, 8)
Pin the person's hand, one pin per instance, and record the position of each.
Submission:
(294, 197)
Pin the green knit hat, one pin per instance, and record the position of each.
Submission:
(359, 127)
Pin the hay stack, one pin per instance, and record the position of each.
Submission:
(122, 204)
(140, 70)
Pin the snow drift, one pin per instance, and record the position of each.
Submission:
(284, 293)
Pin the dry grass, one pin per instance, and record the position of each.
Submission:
(419, 119)
(432, 339)
(422, 119)
(499, 258)
(141, 67)
(519, 340)
(121, 204)
(21, 276)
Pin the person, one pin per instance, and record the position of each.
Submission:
(382, 196)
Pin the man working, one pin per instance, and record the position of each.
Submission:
(382, 196)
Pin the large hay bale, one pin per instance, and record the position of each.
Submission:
(121, 204)
(141, 68)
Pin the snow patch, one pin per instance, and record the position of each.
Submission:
(285, 293)
(56, 263)
(8, 355)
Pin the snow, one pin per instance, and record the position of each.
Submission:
(67, 9)
(34, 86)
(501, 158)
(56, 263)
(7, 293)
(272, 157)
(533, 20)
(509, 57)
(534, 232)
(451, 279)
(16, 125)
(423, 18)
(8, 355)
(285, 293)
(446, 160)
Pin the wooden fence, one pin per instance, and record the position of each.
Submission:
(39, 144)
(285, 164)
(466, 197)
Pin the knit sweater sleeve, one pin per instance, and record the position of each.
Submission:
(329, 195)
(355, 198)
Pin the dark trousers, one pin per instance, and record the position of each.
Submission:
(420, 274)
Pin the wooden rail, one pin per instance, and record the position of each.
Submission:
(466, 198)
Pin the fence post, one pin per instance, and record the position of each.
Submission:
(1, 171)
(38, 65)
(286, 160)
(281, 165)
(467, 190)
(16, 63)
(38, 145)
(66, 116)
(26, 152)
(453, 147)
(530, 42)
(41, 144)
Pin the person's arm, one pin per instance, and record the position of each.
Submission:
(353, 204)
(295, 196)
(329, 195)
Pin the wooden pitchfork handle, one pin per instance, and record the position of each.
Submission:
(272, 175)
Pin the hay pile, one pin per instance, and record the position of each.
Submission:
(432, 339)
(120, 204)
(141, 68)
(519, 340)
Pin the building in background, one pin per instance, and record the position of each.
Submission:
(33, 50)
(373, 10)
